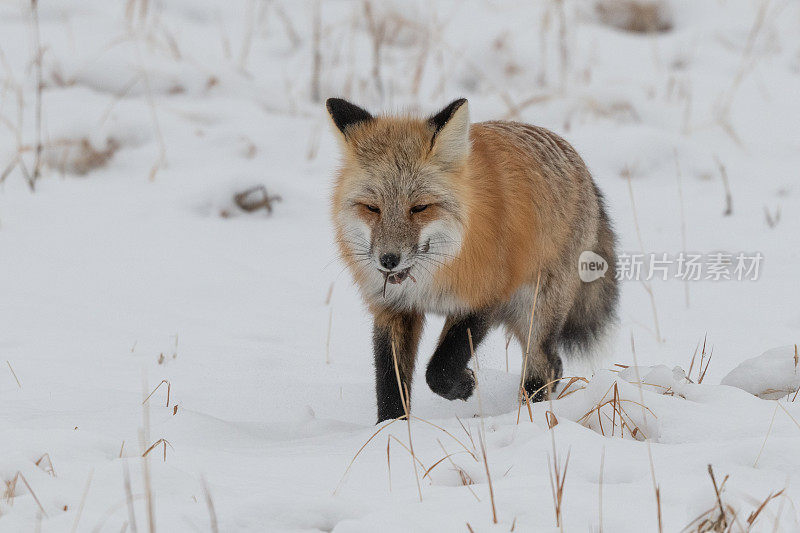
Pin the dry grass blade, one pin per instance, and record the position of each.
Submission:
(796, 362)
(148, 487)
(709, 520)
(552, 421)
(14, 374)
(162, 146)
(50, 468)
(656, 488)
(409, 449)
(389, 460)
(683, 219)
(554, 381)
(83, 502)
(467, 431)
(361, 449)
(528, 403)
(530, 332)
(169, 387)
(11, 486)
(728, 196)
(646, 284)
(37, 162)
(165, 442)
(703, 369)
(440, 428)
(769, 430)
(717, 489)
(751, 519)
(9, 168)
(405, 398)
(600, 491)
(212, 513)
(508, 341)
(330, 326)
(572, 381)
(316, 63)
(129, 497)
(619, 415)
(558, 475)
(466, 480)
(482, 435)
(691, 364)
(437, 463)
(796, 423)
(414, 458)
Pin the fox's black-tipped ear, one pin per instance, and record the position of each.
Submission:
(450, 142)
(438, 120)
(345, 114)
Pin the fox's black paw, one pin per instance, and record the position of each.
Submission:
(537, 390)
(458, 387)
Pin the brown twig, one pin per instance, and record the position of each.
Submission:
(250, 200)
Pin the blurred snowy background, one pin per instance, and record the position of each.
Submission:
(164, 174)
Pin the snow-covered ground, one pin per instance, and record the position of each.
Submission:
(130, 264)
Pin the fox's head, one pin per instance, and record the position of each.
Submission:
(396, 203)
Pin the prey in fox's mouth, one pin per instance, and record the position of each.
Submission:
(396, 278)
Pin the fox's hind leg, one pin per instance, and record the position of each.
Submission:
(447, 374)
(541, 369)
(541, 362)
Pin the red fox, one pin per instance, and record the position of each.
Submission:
(442, 216)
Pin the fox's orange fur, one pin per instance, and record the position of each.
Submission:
(437, 215)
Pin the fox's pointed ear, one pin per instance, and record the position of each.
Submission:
(344, 114)
(450, 142)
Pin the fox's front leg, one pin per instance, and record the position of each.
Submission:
(447, 374)
(403, 330)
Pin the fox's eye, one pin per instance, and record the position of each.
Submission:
(372, 208)
(419, 208)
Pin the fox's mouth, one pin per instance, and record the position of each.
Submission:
(396, 278)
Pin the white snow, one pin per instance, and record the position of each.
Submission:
(772, 375)
(143, 269)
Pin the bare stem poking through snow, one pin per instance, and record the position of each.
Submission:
(404, 398)
(656, 488)
(37, 161)
(482, 434)
(646, 284)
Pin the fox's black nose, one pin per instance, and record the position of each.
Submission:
(389, 261)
